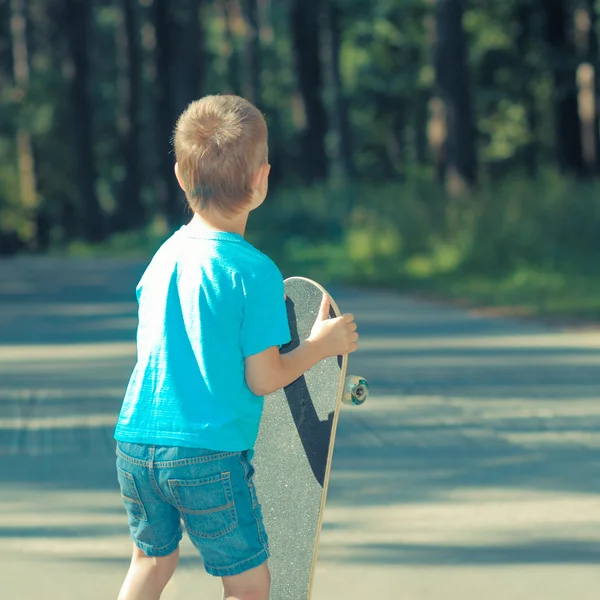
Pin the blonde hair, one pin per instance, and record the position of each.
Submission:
(220, 142)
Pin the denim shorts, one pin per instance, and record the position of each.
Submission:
(212, 493)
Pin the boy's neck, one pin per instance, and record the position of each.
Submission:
(218, 222)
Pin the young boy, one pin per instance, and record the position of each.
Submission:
(211, 320)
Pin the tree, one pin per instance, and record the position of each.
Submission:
(189, 53)
(24, 145)
(231, 14)
(129, 210)
(563, 65)
(5, 52)
(253, 51)
(306, 41)
(453, 86)
(79, 30)
(593, 60)
(180, 64)
(525, 13)
(339, 107)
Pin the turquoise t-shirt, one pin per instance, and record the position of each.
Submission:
(207, 300)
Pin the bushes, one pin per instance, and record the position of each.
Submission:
(552, 224)
(398, 232)
(531, 245)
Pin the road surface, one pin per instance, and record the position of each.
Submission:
(474, 472)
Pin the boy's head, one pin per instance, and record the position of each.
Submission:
(222, 154)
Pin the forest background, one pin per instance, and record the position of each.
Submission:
(447, 147)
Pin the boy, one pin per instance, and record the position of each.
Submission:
(211, 320)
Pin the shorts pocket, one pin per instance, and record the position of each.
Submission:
(206, 505)
(130, 495)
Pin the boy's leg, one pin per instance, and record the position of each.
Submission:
(223, 518)
(148, 575)
(154, 524)
(251, 585)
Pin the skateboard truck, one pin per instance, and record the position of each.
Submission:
(356, 390)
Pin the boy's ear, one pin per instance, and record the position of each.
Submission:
(263, 184)
(179, 178)
(260, 181)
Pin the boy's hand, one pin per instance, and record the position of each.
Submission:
(269, 370)
(333, 336)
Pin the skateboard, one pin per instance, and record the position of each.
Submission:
(294, 450)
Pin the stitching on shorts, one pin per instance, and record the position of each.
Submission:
(239, 564)
(225, 480)
(156, 487)
(180, 462)
(224, 476)
(152, 476)
(213, 536)
(137, 500)
(258, 525)
(184, 462)
(132, 460)
(178, 534)
(208, 511)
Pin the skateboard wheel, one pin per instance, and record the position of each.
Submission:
(356, 391)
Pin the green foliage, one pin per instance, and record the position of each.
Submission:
(140, 244)
(534, 245)
(528, 248)
(394, 225)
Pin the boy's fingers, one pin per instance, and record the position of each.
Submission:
(349, 317)
(324, 310)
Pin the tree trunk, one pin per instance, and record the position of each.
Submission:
(279, 157)
(421, 111)
(234, 68)
(396, 136)
(180, 64)
(453, 83)
(594, 61)
(79, 26)
(130, 210)
(10, 242)
(525, 13)
(253, 52)
(24, 146)
(306, 44)
(166, 183)
(563, 62)
(340, 123)
(5, 50)
(189, 53)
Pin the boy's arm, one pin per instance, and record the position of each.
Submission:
(269, 370)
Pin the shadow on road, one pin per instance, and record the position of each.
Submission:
(460, 403)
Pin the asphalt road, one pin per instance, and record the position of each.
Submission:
(472, 474)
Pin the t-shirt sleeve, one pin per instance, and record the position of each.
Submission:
(265, 321)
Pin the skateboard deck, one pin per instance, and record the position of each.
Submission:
(294, 450)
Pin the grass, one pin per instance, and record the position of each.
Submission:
(558, 296)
